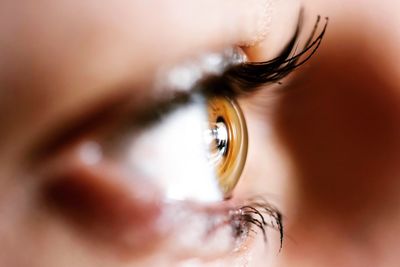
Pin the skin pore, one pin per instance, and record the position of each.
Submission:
(325, 149)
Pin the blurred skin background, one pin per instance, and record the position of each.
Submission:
(325, 150)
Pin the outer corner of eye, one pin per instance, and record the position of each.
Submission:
(230, 141)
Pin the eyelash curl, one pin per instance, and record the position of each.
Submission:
(248, 77)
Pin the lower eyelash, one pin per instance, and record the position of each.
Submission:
(256, 213)
(201, 226)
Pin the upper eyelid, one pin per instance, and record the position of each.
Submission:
(123, 112)
(226, 83)
(120, 24)
(236, 80)
(97, 70)
(150, 109)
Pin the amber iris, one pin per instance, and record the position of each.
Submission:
(230, 141)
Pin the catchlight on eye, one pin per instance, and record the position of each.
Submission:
(227, 136)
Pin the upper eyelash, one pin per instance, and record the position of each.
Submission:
(248, 77)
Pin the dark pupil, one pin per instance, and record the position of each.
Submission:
(221, 135)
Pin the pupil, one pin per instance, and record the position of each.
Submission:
(221, 136)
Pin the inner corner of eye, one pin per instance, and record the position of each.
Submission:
(196, 153)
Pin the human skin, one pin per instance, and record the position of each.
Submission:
(340, 202)
(341, 129)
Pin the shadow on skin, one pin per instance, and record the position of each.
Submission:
(340, 124)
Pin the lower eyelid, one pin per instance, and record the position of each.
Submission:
(117, 211)
(98, 202)
(95, 201)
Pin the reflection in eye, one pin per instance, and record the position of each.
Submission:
(168, 172)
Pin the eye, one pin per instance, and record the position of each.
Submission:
(165, 167)
(229, 137)
(196, 152)
(165, 177)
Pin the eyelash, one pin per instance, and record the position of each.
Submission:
(248, 77)
(237, 80)
(254, 214)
